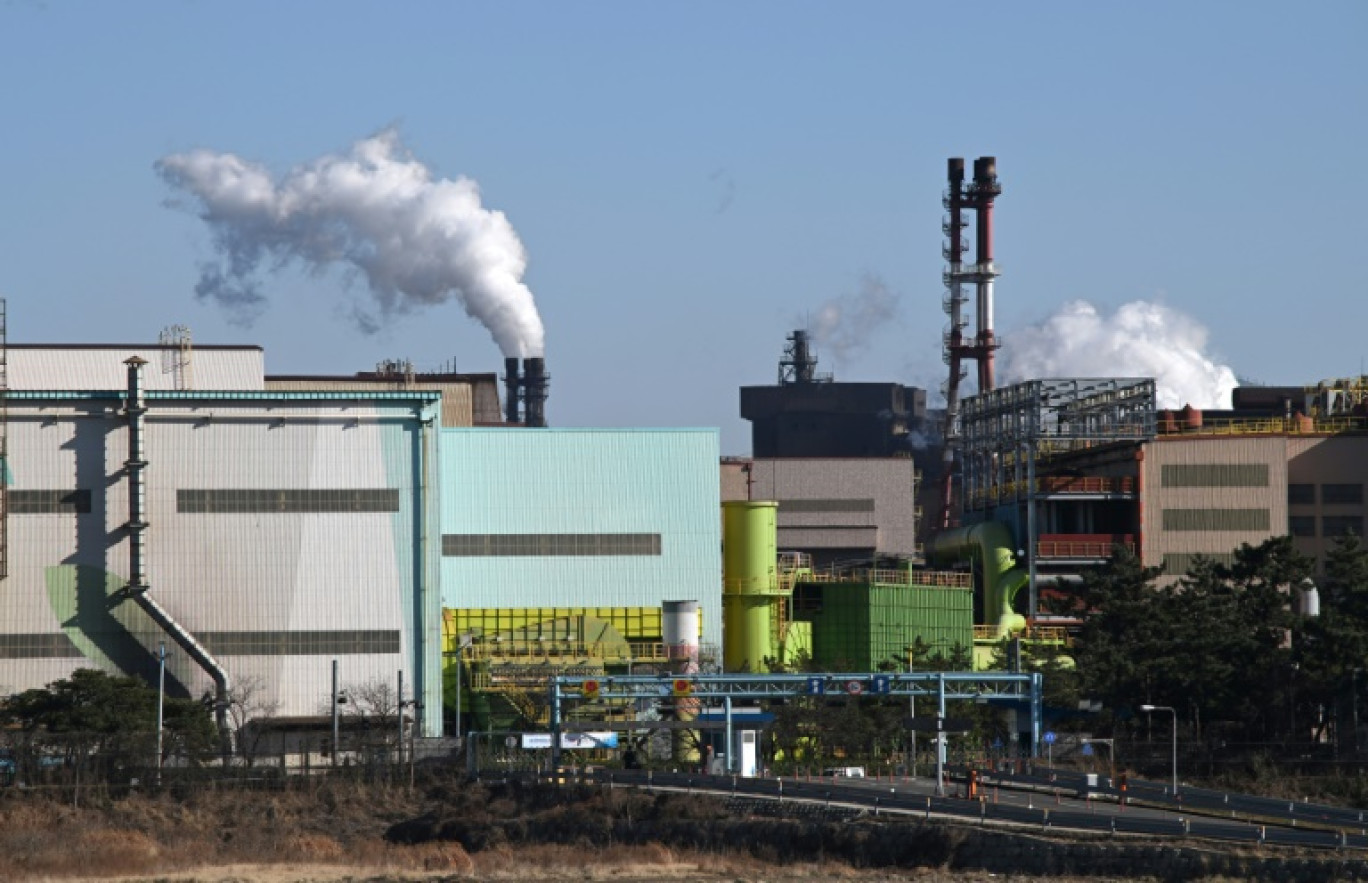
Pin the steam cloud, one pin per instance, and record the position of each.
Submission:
(1140, 340)
(377, 212)
(845, 323)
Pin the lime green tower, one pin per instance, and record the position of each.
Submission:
(750, 583)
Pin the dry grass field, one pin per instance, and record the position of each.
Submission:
(335, 831)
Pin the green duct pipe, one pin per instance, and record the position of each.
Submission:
(991, 544)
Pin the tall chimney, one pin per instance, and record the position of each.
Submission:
(534, 383)
(986, 189)
(512, 386)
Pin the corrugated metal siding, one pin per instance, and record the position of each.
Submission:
(347, 573)
(865, 627)
(457, 408)
(1172, 515)
(888, 525)
(82, 368)
(519, 481)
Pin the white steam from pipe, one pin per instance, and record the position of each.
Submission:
(376, 212)
(1141, 339)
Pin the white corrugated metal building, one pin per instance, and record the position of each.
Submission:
(286, 529)
(283, 529)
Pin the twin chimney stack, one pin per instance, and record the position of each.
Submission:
(527, 387)
(978, 196)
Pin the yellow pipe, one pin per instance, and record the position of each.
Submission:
(990, 543)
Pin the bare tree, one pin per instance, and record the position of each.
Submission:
(249, 710)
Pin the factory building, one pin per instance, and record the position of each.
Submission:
(467, 399)
(834, 509)
(561, 549)
(1075, 468)
(264, 528)
(257, 535)
(808, 414)
(555, 518)
(843, 460)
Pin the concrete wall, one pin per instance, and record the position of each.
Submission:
(835, 508)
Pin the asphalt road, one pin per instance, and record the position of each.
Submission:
(1048, 799)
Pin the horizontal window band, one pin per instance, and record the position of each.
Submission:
(798, 506)
(1179, 563)
(57, 645)
(301, 500)
(300, 643)
(522, 545)
(1215, 475)
(1216, 519)
(52, 501)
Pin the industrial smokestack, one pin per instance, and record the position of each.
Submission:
(955, 350)
(512, 390)
(985, 189)
(534, 383)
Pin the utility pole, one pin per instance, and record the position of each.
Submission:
(335, 727)
(161, 705)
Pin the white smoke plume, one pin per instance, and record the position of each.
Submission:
(376, 213)
(1141, 339)
(844, 324)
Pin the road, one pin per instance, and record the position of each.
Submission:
(1049, 800)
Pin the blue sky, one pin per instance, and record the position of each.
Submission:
(690, 180)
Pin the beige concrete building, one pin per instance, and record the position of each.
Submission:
(836, 509)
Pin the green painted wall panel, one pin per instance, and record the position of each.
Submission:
(585, 481)
(862, 627)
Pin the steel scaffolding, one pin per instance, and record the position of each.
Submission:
(1007, 432)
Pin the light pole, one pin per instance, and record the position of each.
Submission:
(1170, 710)
(161, 705)
(912, 711)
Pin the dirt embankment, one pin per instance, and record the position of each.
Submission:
(346, 831)
(334, 831)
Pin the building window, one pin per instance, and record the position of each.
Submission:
(513, 545)
(1216, 519)
(38, 646)
(1180, 563)
(1339, 525)
(1301, 494)
(1301, 525)
(49, 502)
(803, 506)
(1342, 493)
(300, 643)
(301, 500)
(1215, 475)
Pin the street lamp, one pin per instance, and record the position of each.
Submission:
(1170, 710)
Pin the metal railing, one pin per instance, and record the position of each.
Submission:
(1300, 425)
(558, 652)
(1038, 634)
(895, 577)
(1080, 547)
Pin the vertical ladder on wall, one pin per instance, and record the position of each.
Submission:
(4, 446)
